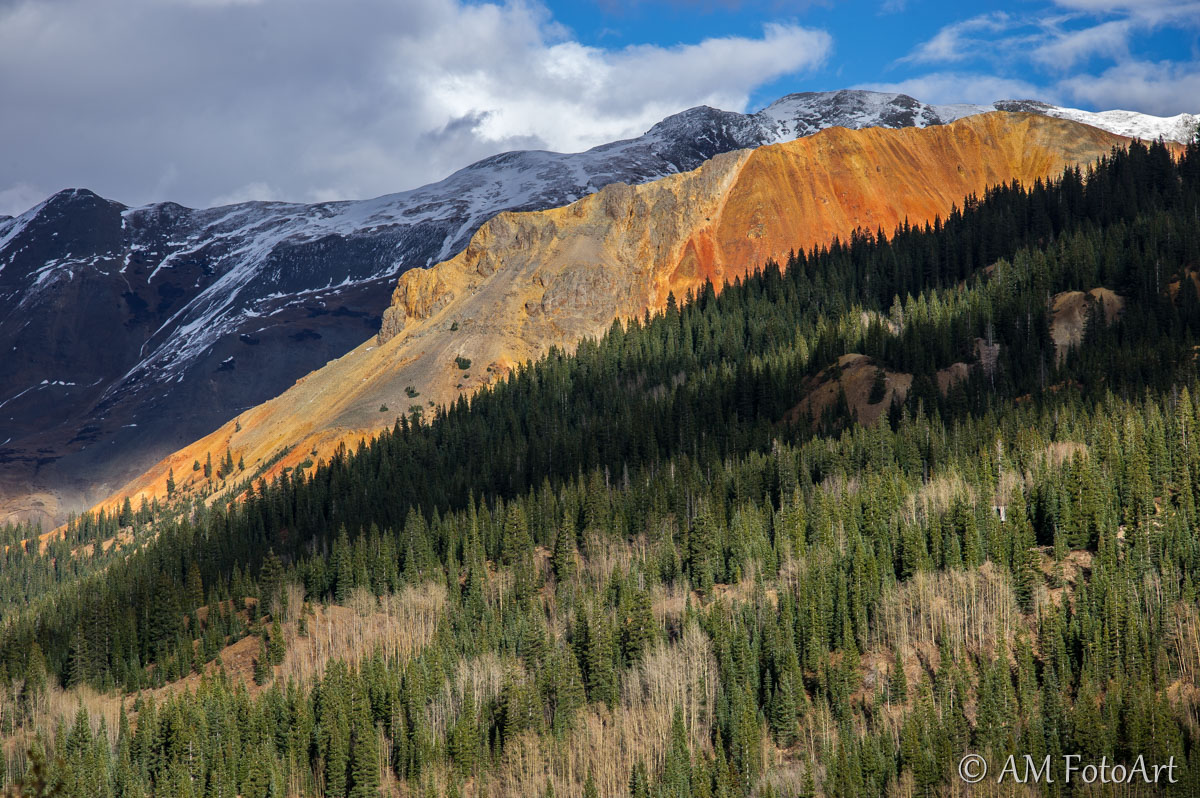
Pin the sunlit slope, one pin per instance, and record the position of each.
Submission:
(529, 281)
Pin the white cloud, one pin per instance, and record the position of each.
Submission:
(1049, 47)
(1163, 89)
(206, 100)
(1064, 49)
(960, 40)
(1102, 6)
(963, 87)
(1059, 40)
(574, 97)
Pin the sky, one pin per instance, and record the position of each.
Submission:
(208, 102)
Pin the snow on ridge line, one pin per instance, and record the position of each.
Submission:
(859, 106)
(1133, 124)
(239, 240)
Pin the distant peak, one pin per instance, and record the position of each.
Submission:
(1034, 106)
(73, 198)
(693, 114)
(73, 195)
(842, 96)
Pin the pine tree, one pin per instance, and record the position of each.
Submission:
(568, 688)
(516, 543)
(270, 580)
(364, 749)
(333, 722)
(262, 664)
(897, 681)
(276, 645)
(782, 715)
(637, 624)
(703, 551)
(464, 737)
(78, 668)
(676, 780)
(565, 550)
(343, 567)
(878, 387)
(639, 781)
(257, 783)
(600, 675)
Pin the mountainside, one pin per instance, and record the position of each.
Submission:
(132, 331)
(530, 281)
(650, 568)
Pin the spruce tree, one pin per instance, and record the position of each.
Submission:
(601, 677)
(79, 665)
(897, 680)
(276, 645)
(565, 550)
(262, 664)
(364, 748)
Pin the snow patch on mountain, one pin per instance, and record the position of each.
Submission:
(244, 245)
(1180, 128)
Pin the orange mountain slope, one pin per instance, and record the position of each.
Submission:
(529, 281)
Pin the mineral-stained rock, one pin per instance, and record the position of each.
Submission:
(530, 281)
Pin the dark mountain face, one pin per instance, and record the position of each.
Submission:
(129, 332)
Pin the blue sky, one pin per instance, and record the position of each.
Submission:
(207, 102)
(1049, 49)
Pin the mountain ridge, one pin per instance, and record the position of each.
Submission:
(529, 281)
(204, 313)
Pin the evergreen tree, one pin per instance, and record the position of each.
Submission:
(898, 681)
(565, 550)
(364, 749)
(262, 664)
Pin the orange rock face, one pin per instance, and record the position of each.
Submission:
(805, 192)
(529, 281)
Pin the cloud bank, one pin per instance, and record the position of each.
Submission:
(209, 101)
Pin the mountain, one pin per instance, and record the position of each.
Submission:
(1179, 128)
(133, 331)
(649, 569)
(530, 281)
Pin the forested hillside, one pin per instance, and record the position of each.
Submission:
(652, 568)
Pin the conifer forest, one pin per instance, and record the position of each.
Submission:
(822, 532)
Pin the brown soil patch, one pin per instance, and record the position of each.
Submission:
(952, 375)
(1069, 312)
(853, 374)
